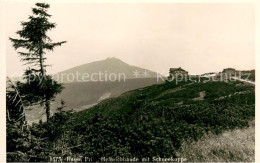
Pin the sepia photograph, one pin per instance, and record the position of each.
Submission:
(119, 81)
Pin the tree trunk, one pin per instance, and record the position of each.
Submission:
(47, 100)
(41, 64)
(47, 107)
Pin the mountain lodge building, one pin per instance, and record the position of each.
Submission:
(229, 71)
(177, 71)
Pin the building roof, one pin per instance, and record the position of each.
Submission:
(229, 69)
(176, 69)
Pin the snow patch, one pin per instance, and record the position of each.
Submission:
(105, 96)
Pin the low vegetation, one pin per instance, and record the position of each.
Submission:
(233, 145)
(154, 121)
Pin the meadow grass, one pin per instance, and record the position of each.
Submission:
(231, 146)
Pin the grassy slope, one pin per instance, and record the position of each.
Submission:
(165, 115)
(169, 95)
(234, 145)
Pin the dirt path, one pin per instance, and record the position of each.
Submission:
(243, 80)
(201, 97)
(170, 91)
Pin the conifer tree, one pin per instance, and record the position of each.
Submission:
(35, 43)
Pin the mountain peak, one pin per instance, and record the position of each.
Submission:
(110, 66)
(113, 59)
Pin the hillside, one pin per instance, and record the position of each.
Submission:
(106, 67)
(171, 95)
(82, 95)
(155, 121)
(236, 145)
(248, 75)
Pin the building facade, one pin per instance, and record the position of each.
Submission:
(177, 72)
(229, 71)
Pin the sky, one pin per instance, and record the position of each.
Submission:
(197, 37)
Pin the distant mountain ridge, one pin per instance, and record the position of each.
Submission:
(80, 95)
(110, 69)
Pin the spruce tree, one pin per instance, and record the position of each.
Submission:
(35, 43)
